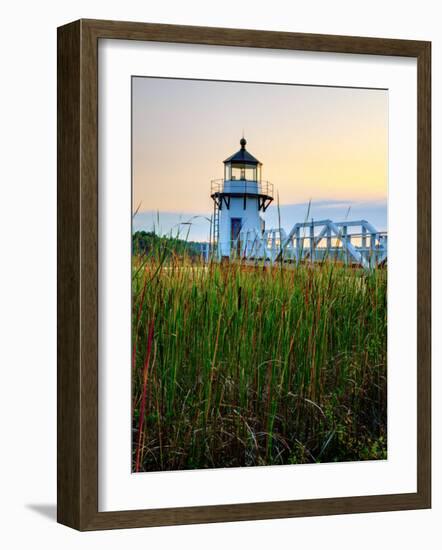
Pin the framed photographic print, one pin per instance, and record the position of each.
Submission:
(243, 274)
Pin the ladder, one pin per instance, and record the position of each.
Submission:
(215, 231)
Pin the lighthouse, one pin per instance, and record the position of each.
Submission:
(239, 199)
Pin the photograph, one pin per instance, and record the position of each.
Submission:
(259, 274)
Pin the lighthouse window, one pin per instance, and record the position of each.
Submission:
(242, 172)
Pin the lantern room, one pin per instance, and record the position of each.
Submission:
(242, 166)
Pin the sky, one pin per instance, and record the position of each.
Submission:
(323, 146)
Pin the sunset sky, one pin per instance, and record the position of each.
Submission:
(319, 144)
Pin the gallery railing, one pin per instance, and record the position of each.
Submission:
(262, 187)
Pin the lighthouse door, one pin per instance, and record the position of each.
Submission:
(235, 231)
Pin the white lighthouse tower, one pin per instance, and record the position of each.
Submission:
(239, 199)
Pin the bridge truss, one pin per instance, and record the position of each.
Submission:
(351, 242)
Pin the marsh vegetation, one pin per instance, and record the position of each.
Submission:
(244, 365)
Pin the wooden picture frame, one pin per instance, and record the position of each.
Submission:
(78, 274)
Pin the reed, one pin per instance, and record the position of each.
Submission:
(241, 365)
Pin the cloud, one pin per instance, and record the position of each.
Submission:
(373, 211)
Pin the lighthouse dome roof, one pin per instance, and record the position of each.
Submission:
(242, 156)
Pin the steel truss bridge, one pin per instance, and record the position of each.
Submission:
(355, 243)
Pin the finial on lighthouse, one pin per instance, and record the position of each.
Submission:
(243, 142)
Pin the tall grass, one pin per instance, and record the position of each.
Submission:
(239, 365)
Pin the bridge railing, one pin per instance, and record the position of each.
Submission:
(353, 243)
(325, 239)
